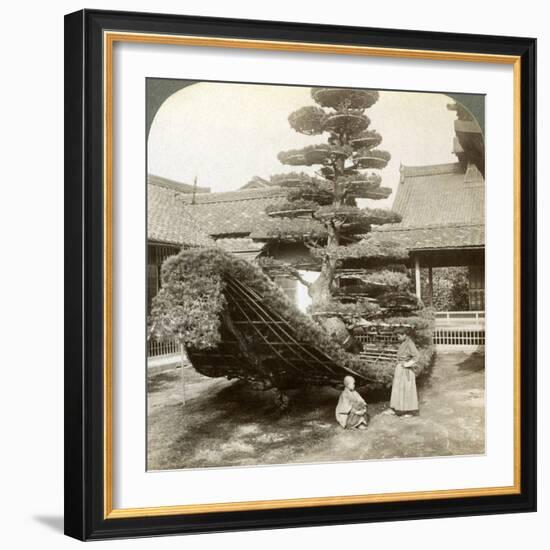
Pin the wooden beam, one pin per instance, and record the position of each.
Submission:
(431, 285)
(417, 277)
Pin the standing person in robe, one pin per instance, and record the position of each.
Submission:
(404, 398)
(351, 411)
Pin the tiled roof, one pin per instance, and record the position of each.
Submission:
(174, 185)
(170, 221)
(438, 237)
(236, 196)
(258, 183)
(181, 218)
(234, 212)
(239, 244)
(442, 194)
(243, 247)
(442, 206)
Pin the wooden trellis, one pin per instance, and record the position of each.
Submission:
(259, 344)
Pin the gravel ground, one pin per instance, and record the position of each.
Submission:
(225, 423)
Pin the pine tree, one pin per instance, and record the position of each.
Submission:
(321, 211)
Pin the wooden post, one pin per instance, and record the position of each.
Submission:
(182, 353)
(417, 277)
(431, 285)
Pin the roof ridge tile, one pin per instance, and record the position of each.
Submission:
(429, 170)
(166, 183)
(233, 196)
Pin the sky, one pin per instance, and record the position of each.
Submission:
(224, 134)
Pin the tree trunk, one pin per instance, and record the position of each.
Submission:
(320, 292)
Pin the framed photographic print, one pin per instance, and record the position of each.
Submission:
(300, 274)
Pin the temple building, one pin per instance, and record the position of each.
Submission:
(443, 211)
(442, 208)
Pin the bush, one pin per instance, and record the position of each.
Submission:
(451, 289)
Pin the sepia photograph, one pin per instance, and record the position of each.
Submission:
(315, 274)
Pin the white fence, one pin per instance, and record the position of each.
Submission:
(458, 337)
(459, 328)
(460, 318)
(160, 349)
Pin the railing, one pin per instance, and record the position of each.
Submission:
(460, 316)
(458, 337)
(159, 349)
(459, 328)
(376, 338)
